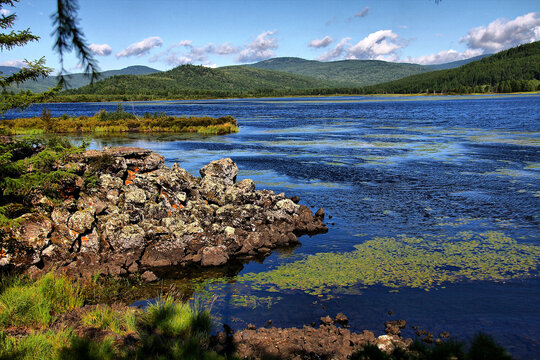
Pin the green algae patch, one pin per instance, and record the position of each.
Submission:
(407, 262)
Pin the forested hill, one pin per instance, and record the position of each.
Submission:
(191, 80)
(74, 80)
(344, 73)
(513, 70)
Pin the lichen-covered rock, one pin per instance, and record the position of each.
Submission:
(222, 171)
(142, 216)
(81, 221)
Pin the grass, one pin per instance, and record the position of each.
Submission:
(119, 321)
(27, 303)
(166, 329)
(117, 122)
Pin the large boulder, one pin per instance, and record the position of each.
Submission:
(222, 171)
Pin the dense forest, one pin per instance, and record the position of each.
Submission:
(513, 70)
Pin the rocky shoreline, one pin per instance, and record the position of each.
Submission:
(126, 213)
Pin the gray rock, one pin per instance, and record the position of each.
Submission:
(222, 171)
(81, 221)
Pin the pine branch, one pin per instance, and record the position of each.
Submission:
(23, 100)
(19, 38)
(70, 37)
(33, 71)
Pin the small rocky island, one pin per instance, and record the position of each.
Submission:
(125, 212)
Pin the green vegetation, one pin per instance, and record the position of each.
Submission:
(118, 121)
(196, 81)
(27, 303)
(73, 81)
(513, 70)
(482, 347)
(407, 262)
(28, 166)
(344, 73)
(28, 309)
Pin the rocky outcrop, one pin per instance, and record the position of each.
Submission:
(126, 212)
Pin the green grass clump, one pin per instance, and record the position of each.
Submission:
(173, 330)
(27, 303)
(45, 345)
(121, 321)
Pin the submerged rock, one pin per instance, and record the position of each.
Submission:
(141, 215)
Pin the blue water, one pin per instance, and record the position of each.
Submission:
(414, 166)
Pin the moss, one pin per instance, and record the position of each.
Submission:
(407, 262)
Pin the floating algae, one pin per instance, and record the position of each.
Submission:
(407, 262)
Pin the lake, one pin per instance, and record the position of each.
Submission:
(434, 205)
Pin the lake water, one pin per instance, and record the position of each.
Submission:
(434, 203)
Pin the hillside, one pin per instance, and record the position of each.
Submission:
(74, 80)
(344, 73)
(455, 64)
(513, 70)
(189, 80)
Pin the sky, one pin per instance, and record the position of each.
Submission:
(164, 34)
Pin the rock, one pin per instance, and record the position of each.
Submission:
(214, 256)
(386, 343)
(90, 242)
(135, 196)
(326, 320)
(222, 171)
(341, 319)
(149, 276)
(295, 199)
(34, 230)
(445, 335)
(81, 221)
(320, 213)
(288, 205)
(143, 216)
(130, 237)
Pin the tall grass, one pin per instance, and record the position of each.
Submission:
(27, 303)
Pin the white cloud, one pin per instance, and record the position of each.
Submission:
(141, 48)
(503, 34)
(375, 46)
(101, 50)
(5, 12)
(226, 49)
(183, 43)
(259, 49)
(320, 43)
(444, 56)
(362, 13)
(14, 63)
(336, 52)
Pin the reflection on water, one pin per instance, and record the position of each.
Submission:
(438, 194)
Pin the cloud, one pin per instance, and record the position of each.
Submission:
(444, 56)
(336, 52)
(503, 34)
(377, 45)
(101, 50)
(14, 63)
(259, 49)
(183, 43)
(362, 13)
(141, 48)
(226, 49)
(320, 43)
(332, 21)
(5, 12)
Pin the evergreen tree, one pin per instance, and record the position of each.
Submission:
(68, 37)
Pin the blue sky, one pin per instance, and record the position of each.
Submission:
(167, 33)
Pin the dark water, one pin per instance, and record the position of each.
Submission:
(436, 169)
